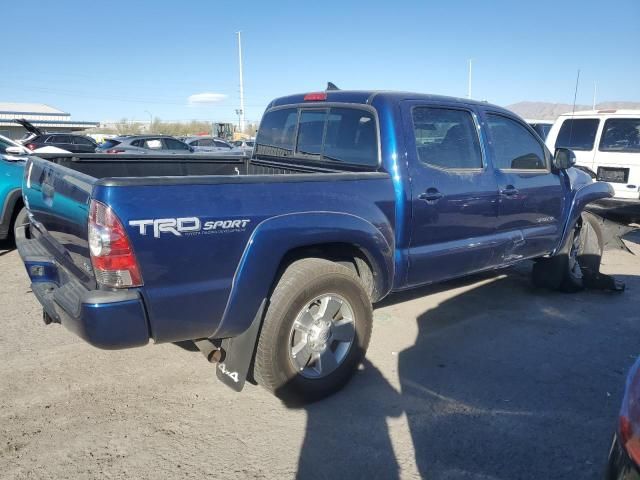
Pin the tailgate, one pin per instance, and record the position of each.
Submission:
(58, 201)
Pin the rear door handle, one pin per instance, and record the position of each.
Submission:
(509, 191)
(432, 195)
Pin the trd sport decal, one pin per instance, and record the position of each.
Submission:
(188, 226)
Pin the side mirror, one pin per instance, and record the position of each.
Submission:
(564, 159)
(14, 150)
(191, 149)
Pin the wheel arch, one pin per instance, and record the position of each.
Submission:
(12, 205)
(583, 196)
(280, 241)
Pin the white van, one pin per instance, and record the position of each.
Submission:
(607, 142)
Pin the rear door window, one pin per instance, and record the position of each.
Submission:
(173, 144)
(220, 144)
(577, 134)
(82, 141)
(621, 135)
(153, 144)
(514, 146)
(58, 139)
(446, 138)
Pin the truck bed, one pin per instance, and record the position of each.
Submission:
(187, 273)
(118, 166)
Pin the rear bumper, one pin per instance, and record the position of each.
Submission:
(105, 319)
(620, 466)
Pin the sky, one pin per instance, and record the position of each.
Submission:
(172, 60)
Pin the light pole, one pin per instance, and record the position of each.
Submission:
(239, 112)
(241, 109)
(150, 120)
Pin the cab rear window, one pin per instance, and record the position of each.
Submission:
(330, 134)
(579, 134)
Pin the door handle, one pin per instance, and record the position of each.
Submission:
(432, 195)
(509, 191)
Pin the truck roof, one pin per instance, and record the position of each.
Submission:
(601, 112)
(367, 96)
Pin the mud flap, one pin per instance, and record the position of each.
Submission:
(238, 354)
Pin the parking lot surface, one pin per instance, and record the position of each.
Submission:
(484, 378)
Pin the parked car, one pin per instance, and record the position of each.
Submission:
(245, 145)
(12, 160)
(38, 139)
(624, 456)
(606, 143)
(541, 127)
(271, 266)
(209, 145)
(145, 144)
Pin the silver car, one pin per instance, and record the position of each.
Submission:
(145, 144)
(245, 145)
(209, 145)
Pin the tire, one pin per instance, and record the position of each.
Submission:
(22, 218)
(570, 270)
(308, 294)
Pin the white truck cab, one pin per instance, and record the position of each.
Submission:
(607, 142)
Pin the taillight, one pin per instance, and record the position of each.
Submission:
(115, 150)
(114, 262)
(31, 146)
(629, 427)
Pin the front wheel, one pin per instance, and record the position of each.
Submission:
(571, 270)
(315, 332)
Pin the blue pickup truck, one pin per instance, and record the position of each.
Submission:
(271, 264)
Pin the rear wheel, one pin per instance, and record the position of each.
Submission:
(315, 332)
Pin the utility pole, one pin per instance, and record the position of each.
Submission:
(595, 90)
(150, 120)
(241, 109)
(469, 82)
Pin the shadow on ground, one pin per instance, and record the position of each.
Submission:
(504, 381)
(6, 246)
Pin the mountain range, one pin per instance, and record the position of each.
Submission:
(550, 111)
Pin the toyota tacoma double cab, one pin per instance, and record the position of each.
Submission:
(271, 264)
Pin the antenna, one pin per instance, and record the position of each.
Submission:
(595, 90)
(469, 80)
(241, 109)
(573, 111)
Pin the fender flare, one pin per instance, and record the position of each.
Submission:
(8, 209)
(275, 237)
(584, 195)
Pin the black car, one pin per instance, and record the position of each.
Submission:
(624, 457)
(66, 141)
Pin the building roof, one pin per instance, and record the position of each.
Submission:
(29, 108)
